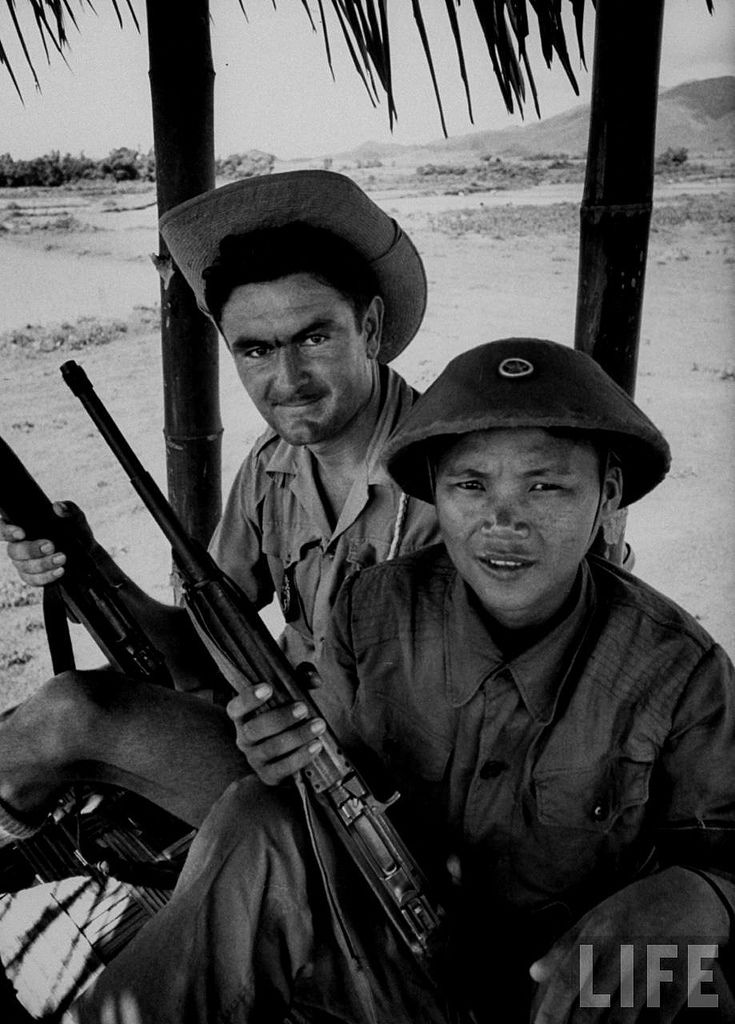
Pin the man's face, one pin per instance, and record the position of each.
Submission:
(516, 510)
(301, 355)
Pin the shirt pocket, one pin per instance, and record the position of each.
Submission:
(287, 542)
(287, 551)
(597, 799)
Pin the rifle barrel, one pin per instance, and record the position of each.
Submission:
(235, 628)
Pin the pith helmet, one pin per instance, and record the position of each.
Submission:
(193, 231)
(527, 382)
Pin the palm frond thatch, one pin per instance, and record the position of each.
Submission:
(51, 18)
(505, 26)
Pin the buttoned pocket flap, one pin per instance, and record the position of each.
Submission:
(592, 798)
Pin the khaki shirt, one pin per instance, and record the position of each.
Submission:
(557, 774)
(274, 538)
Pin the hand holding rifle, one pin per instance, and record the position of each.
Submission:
(37, 561)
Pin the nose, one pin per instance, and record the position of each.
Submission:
(288, 370)
(502, 515)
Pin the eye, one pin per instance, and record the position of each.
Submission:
(253, 352)
(312, 340)
(544, 485)
(469, 485)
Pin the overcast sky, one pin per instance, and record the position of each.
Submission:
(273, 87)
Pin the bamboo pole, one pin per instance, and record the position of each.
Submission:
(615, 214)
(182, 92)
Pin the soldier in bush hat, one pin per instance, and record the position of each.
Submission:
(315, 289)
(561, 734)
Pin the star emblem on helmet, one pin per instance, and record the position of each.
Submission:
(515, 367)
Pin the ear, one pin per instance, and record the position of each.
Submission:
(612, 492)
(373, 326)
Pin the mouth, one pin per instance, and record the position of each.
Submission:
(299, 402)
(505, 564)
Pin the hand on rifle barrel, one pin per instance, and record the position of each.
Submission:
(37, 561)
(276, 743)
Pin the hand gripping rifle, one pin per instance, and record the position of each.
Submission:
(85, 592)
(226, 616)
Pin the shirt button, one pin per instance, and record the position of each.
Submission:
(600, 812)
(491, 769)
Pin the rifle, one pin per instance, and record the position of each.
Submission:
(83, 589)
(236, 630)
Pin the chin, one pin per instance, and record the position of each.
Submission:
(504, 605)
(298, 436)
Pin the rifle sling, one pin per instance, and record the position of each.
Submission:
(57, 630)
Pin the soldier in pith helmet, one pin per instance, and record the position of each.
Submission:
(529, 383)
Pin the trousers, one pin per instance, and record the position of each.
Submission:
(269, 922)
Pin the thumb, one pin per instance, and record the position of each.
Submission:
(66, 509)
(546, 966)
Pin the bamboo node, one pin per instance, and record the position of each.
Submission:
(164, 266)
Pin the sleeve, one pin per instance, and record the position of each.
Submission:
(237, 542)
(695, 781)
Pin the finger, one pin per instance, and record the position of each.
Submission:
(42, 579)
(547, 965)
(280, 743)
(248, 700)
(67, 510)
(269, 724)
(9, 532)
(276, 772)
(36, 570)
(454, 867)
(558, 990)
(22, 550)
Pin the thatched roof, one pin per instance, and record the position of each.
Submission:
(506, 26)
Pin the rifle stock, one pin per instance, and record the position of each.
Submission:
(239, 634)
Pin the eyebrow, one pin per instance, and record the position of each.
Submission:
(465, 469)
(244, 342)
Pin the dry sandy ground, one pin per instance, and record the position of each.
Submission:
(494, 270)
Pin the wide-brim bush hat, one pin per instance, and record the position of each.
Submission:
(194, 229)
(527, 382)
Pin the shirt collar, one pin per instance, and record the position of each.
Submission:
(472, 657)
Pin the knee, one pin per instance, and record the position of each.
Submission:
(251, 824)
(91, 689)
(77, 703)
(67, 694)
(248, 808)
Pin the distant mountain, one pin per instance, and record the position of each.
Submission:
(699, 115)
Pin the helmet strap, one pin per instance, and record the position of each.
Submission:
(597, 522)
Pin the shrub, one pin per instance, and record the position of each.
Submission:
(425, 170)
(245, 165)
(672, 157)
(52, 169)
